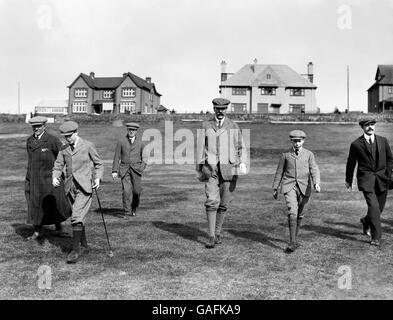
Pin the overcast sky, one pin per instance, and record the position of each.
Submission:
(180, 44)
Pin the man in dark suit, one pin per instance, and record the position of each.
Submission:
(128, 164)
(374, 159)
(222, 156)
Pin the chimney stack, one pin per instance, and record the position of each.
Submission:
(125, 74)
(310, 72)
(224, 75)
(92, 75)
(254, 66)
(148, 79)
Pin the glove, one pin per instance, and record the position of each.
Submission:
(243, 168)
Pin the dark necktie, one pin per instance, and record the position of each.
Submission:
(72, 146)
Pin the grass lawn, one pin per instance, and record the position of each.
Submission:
(160, 253)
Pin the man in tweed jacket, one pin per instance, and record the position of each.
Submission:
(294, 173)
(83, 173)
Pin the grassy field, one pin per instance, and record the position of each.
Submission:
(160, 253)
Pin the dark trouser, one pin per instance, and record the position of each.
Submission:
(375, 202)
(132, 187)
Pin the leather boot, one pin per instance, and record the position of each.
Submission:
(298, 225)
(292, 224)
(84, 246)
(76, 237)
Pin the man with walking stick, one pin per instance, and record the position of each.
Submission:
(84, 170)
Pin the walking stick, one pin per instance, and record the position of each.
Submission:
(110, 253)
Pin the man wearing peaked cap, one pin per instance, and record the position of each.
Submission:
(132, 125)
(374, 161)
(129, 162)
(366, 121)
(218, 165)
(38, 120)
(84, 170)
(294, 173)
(297, 134)
(68, 127)
(45, 204)
(220, 102)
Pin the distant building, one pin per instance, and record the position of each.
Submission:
(268, 88)
(162, 109)
(51, 107)
(127, 94)
(380, 94)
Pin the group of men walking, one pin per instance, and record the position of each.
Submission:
(60, 178)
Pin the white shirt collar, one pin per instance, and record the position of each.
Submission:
(76, 141)
(218, 121)
(367, 137)
(39, 137)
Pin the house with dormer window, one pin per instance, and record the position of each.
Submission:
(380, 94)
(268, 88)
(128, 94)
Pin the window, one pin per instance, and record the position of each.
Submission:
(239, 107)
(390, 89)
(268, 76)
(268, 91)
(296, 92)
(128, 92)
(262, 107)
(79, 107)
(80, 93)
(239, 91)
(127, 107)
(108, 94)
(296, 108)
(150, 96)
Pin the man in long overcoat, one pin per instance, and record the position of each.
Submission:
(46, 205)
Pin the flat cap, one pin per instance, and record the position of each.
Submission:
(68, 127)
(132, 125)
(35, 121)
(220, 102)
(367, 120)
(297, 134)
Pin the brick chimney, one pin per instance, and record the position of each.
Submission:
(92, 75)
(310, 72)
(224, 75)
(254, 66)
(125, 74)
(148, 79)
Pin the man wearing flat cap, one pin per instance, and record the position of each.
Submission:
(83, 173)
(221, 157)
(45, 204)
(373, 157)
(296, 170)
(129, 164)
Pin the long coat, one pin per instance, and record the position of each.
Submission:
(223, 147)
(295, 169)
(129, 155)
(366, 175)
(82, 164)
(45, 204)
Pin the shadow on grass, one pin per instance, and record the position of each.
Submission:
(184, 231)
(359, 226)
(345, 235)
(258, 237)
(64, 242)
(115, 212)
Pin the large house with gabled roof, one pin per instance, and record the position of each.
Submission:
(268, 88)
(380, 94)
(127, 94)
